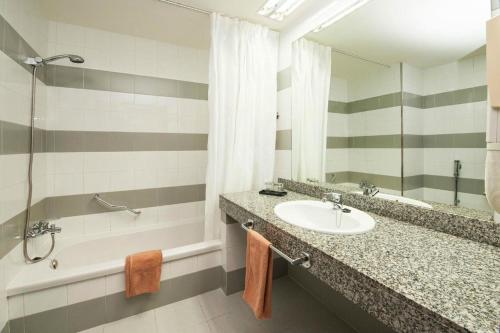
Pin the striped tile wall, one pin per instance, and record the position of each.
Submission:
(131, 123)
(137, 131)
(450, 115)
(441, 124)
(363, 128)
(107, 131)
(17, 18)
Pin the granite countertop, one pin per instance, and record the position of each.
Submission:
(455, 278)
(479, 214)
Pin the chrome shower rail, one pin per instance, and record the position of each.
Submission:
(111, 206)
(304, 261)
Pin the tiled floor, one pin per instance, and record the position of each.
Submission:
(294, 311)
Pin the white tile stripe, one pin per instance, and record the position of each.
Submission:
(94, 110)
(88, 172)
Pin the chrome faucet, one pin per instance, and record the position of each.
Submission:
(42, 227)
(335, 198)
(368, 189)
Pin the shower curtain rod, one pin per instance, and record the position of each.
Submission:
(360, 57)
(203, 11)
(178, 4)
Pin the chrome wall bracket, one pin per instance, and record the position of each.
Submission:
(111, 206)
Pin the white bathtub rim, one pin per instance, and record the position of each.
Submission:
(55, 278)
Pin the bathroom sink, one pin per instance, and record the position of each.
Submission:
(400, 199)
(321, 217)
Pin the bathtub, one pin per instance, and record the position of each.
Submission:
(93, 256)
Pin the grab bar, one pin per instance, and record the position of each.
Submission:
(304, 261)
(108, 205)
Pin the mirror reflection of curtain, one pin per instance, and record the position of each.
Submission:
(311, 71)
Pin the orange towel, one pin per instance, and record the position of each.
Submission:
(143, 272)
(259, 275)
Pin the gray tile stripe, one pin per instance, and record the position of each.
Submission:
(337, 177)
(12, 229)
(284, 139)
(464, 140)
(338, 107)
(83, 204)
(460, 140)
(14, 46)
(81, 316)
(87, 141)
(84, 78)
(285, 78)
(446, 183)
(388, 182)
(461, 96)
(14, 139)
(413, 100)
(375, 141)
(465, 185)
(374, 103)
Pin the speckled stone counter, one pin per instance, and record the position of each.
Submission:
(463, 222)
(411, 278)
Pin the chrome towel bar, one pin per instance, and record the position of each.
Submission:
(304, 261)
(110, 206)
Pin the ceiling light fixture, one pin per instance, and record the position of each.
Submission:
(279, 9)
(344, 8)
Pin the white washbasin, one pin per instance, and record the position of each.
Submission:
(400, 199)
(321, 217)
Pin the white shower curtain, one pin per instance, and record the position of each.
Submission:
(242, 105)
(311, 65)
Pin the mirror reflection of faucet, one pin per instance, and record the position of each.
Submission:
(368, 189)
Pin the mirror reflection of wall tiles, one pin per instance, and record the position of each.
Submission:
(443, 115)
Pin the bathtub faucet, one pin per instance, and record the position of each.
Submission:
(42, 227)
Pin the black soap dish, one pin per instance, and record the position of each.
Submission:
(275, 193)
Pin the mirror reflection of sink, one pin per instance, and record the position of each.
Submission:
(400, 199)
(321, 217)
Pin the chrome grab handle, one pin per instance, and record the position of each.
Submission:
(304, 261)
(111, 206)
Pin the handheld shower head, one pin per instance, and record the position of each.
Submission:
(37, 61)
(76, 59)
(72, 57)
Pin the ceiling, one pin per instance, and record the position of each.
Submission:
(159, 21)
(422, 33)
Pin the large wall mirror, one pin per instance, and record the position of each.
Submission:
(407, 104)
